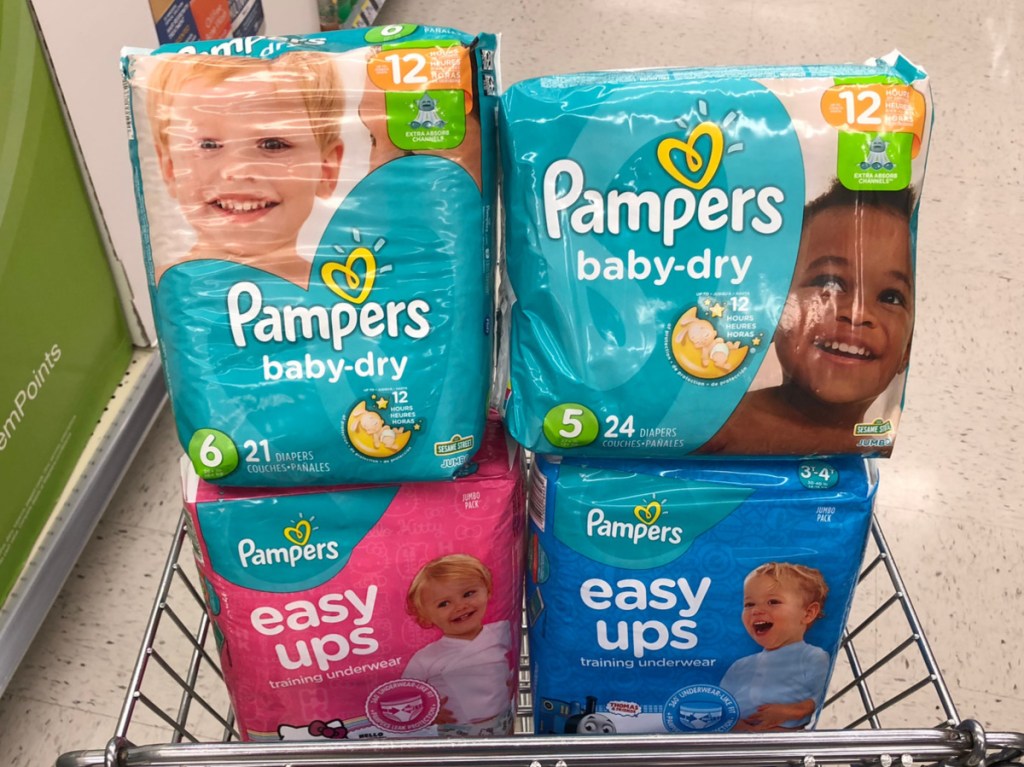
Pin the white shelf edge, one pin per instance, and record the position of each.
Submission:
(133, 408)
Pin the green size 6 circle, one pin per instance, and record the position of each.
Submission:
(212, 453)
(390, 32)
(570, 425)
(818, 475)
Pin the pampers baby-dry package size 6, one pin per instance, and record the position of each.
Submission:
(318, 226)
(713, 261)
(368, 611)
(691, 596)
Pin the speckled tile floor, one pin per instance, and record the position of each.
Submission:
(946, 500)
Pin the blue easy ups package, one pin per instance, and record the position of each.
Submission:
(318, 223)
(713, 261)
(690, 596)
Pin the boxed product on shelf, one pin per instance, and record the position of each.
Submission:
(371, 610)
(713, 261)
(179, 21)
(66, 345)
(317, 216)
(694, 596)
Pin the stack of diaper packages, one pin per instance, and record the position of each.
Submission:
(318, 218)
(705, 327)
(711, 291)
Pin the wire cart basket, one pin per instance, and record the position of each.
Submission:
(887, 671)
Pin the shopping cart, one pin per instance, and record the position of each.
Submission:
(887, 672)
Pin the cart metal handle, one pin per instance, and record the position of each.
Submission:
(967, 746)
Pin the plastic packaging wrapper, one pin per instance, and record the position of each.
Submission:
(318, 224)
(713, 261)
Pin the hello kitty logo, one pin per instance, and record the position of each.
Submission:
(403, 705)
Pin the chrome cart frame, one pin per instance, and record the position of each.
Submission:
(177, 695)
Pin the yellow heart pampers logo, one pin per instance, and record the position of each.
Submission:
(359, 271)
(648, 514)
(299, 533)
(695, 161)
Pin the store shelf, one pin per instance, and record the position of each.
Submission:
(118, 435)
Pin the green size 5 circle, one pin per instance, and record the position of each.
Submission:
(212, 453)
(570, 425)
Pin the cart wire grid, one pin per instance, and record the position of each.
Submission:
(177, 702)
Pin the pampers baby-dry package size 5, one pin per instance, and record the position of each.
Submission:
(368, 611)
(691, 596)
(318, 226)
(715, 260)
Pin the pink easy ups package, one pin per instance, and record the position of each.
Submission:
(368, 610)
